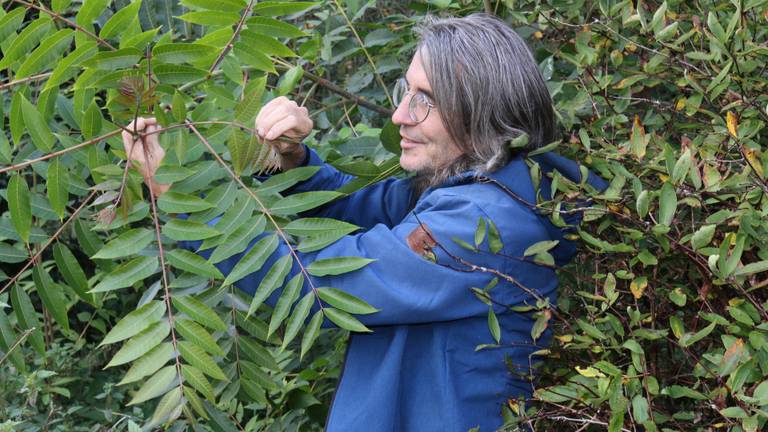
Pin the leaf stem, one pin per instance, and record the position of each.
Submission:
(229, 44)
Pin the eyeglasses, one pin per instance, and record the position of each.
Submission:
(419, 106)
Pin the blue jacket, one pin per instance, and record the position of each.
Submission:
(419, 370)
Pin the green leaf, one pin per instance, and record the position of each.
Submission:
(200, 312)
(311, 244)
(667, 204)
(257, 375)
(127, 243)
(248, 107)
(90, 10)
(176, 53)
(260, 355)
(480, 232)
(25, 41)
(283, 307)
(311, 332)
(345, 320)
(272, 281)
(297, 319)
(57, 186)
(277, 8)
(121, 20)
(716, 28)
(494, 238)
(196, 334)
(290, 79)
(640, 408)
(170, 174)
(7, 340)
(46, 54)
(38, 129)
(12, 255)
(390, 137)
(197, 357)
(20, 207)
(72, 272)
(156, 386)
(128, 274)
(752, 268)
(135, 322)
(539, 247)
(282, 181)
(10, 22)
(689, 339)
(27, 317)
(140, 344)
(253, 260)
(177, 202)
(16, 118)
(177, 74)
(113, 60)
(345, 301)
(339, 265)
(238, 240)
(52, 296)
(168, 408)
(212, 18)
(302, 201)
(219, 5)
(179, 107)
(193, 376)
(493, 325)
(67, 67)
(149, 363)
(273, 27)
(192, 263)
(90, 124)
(253, 57)
(182, 229)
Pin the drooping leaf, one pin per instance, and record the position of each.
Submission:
(156, 386)
(272, 281)
(12, 255)
(196, 334)
(192, 263)
(36, 126)
(315, 226)
(193, 376)
(667, 204)
(338, 265)
(298, 318)
(253, 260)
(238, 240)
(311, 332)
(149, 363)
(57, 186)
(20, 206)
(199, 311)
(27, 317)
(258, 354)
(288, 297)
(345, 320)
(302, 201)
(127, 243)
(73, 273)
(197, 357)
(140, 344)
(168, 408)
(135, 322)
(345, 301)
(128, 274)
(175, 53)
(282, 181)
(46, 54)
(8, 339)
(52, 296)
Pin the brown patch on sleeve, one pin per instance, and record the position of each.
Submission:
(421, 241)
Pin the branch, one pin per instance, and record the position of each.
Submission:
(67, 22)
(3, 86)
(16, 344)
(229, 44)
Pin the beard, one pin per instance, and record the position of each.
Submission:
(434, 177)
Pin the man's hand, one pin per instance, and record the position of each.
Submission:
(145, 153)
(283, 117)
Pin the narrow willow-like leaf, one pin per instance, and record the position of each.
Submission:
(192, 263)
(238, 240)
(46, 54)
(272, 281)
(181, 229)
(135, 322)
(248, 107)
(25, 41)
(280, 182)
(11, 22)
(196, 334)
(199, 311)
(303, 201)
(273, 27)
(297, 319)
(195, 402)
(316, 226)
(345, 320)
(197, 357)
(140, 344)
(219, 5)
(20, 207)
(127, 243)
(168, 408)
(177, 202)
(7, 340)
(149, 363)
(128, 274)
(212, 18)
(193, 376)
(120, 20)
(67, 67)
(16, 118)
(278, 8)
(175, 53)
(52, 296)
(156, 386)
(167, 174)
(345, 301)
(12, 255)
(339, 265)
(258, 354)
(287, 298)
(36, 126)
(493, 325)
(253, 260)
(311, 333)
(27, 317)
(57, 186)
(73, 273)
(480, 232)
(90, 124)
(255, 374)
(311, 244)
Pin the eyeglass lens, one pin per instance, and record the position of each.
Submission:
(418, 107)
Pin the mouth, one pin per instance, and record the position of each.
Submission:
(407, 143)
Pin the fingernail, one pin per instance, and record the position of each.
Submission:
(260, 131)
(270, 136)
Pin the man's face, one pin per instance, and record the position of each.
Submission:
(426, 146)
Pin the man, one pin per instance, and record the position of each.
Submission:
(471, 88)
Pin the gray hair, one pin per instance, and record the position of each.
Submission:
(487, 88)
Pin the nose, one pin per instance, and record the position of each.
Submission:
(401, 116)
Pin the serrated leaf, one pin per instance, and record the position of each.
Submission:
(52, 296)
(177, 202)
(193, 376)
(46, 54)
(140, 344)
(258, 354)
(149, 363)
(253, 260)
(73, 273)
(158, 385)
(345, 301)
(37, 127)
(238, 240)
(200, 312)
(135, 322)
(19, 206)
(195, 402)
(272, 281)
(128, 274)
(338, 265)
(27, 317)
(175, 53)
(344, 320)
(283, 307)
(196, 334)
(192, 263)
(57, 186)
(127, 243)
(311, 332)
(248, 107)
(298, 318)
(182, 229)
(197, 357)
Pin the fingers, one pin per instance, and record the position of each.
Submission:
(282, 116)
(134, 149)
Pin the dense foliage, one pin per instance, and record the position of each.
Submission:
(661, 320)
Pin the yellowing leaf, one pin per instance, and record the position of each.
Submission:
(589, 372)
(732, 122)
(638, 286)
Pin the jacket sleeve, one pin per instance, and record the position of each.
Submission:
(408, 288)
(384, 202)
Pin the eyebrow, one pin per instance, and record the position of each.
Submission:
(427, 93)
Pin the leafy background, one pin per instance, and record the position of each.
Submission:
(661, 319)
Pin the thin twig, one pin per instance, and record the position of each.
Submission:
(231, 42)
(18, 342)
(25, 80)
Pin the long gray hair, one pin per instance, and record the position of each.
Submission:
(487, 88)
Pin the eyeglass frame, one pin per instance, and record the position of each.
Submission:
(412, 103)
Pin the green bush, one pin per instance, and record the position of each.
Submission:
(661, 320)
